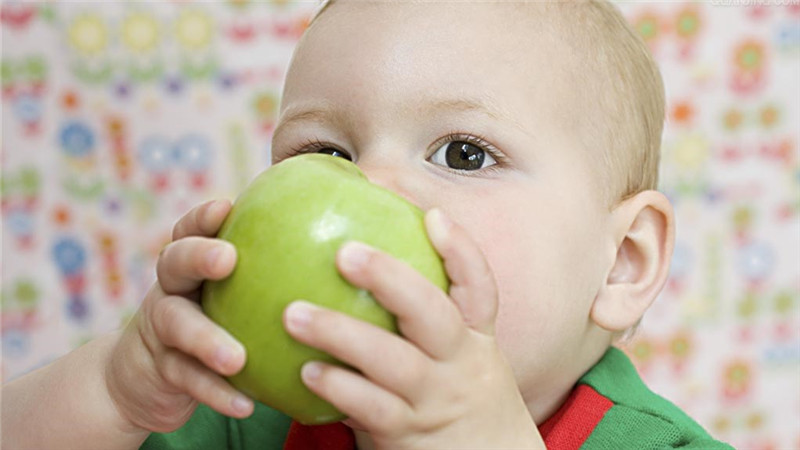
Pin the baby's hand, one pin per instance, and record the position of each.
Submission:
(171, 355)
(444, 383)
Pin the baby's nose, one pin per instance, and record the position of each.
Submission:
(396, 180)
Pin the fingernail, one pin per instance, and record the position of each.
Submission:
(213, 255)
(215, 206)
(228, 349)
(298, 315)
(227, 352)
(354, 255)
(217, 255)
(439, 225)
(241, 404)
(311, 371)
(223, 355)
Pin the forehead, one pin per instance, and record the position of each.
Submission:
(377, 53)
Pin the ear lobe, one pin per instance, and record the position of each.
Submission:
(643, 232)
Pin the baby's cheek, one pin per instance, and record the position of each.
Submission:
(534, 318)
(524, 321)
(522, 318)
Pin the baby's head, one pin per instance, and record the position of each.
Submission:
(536, 126)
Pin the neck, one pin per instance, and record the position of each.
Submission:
(363, 440)
(545, 400)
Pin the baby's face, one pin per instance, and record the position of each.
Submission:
(408, 91)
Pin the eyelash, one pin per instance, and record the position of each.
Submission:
(478, 141)
(313, 144)
(308, 146)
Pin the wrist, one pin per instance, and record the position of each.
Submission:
(110, 352)
(66, 404)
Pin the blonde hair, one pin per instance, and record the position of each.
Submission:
(620, 88)
(624, 92)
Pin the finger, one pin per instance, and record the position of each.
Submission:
(189, 376)
(180, 324)
(386, 359)
(185, 263)
(472, 284)
(378, 410)
(203, 220)
(425, 316)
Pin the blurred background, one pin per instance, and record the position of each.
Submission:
(117, 117)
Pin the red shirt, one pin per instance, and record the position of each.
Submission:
(568, 428)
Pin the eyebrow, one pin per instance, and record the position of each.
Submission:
(324, 113)
(320, 114)
(466, 105)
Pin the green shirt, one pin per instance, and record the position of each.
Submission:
(265, 429)
(610, 408)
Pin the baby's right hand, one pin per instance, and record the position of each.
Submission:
(171, 355)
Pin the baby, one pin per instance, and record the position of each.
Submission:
(530, 132)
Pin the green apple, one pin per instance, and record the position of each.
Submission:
(287, 227)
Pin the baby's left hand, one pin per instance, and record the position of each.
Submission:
(444, 382)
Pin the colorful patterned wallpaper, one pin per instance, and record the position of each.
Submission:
(118, 117)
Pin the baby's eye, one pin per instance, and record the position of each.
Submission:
(461, 155)
(335, 152)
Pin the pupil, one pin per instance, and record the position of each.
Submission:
(334, 152)
(464, 156)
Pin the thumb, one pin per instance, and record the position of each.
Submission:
(472, 285)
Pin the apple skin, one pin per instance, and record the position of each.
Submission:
(287, 226)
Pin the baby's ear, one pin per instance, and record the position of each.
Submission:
(643, 229)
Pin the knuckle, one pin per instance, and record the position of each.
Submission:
(169, 367)
(164, 260)
(329, 333)
(390, 418)
(186, 225)
(201, 388)
(444, 310)
(205, 223)
(167, 318)
(457, 396)
(330, 323)
(154, 293)
(170, 313)
(378, 264)
(408, 370)
(154, 314)
(484, 373)
(179, 230)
